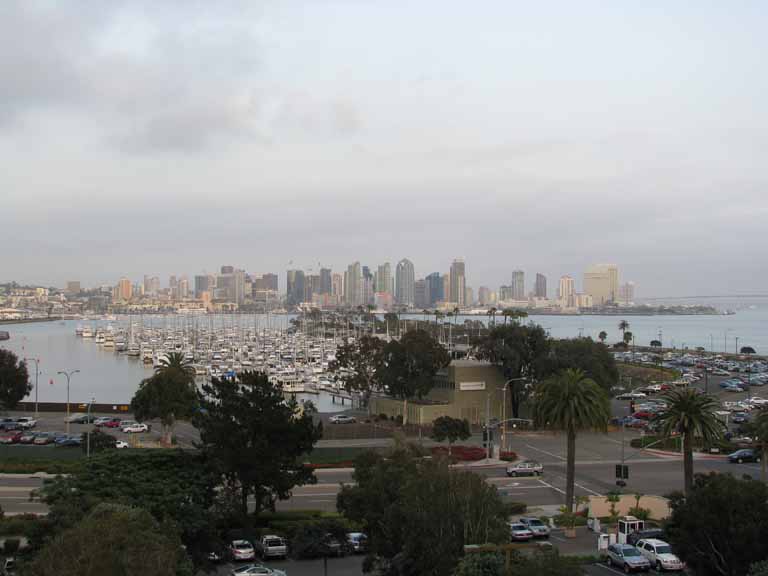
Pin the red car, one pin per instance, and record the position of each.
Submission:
(113, 423)
(643, 415)
(11, 437)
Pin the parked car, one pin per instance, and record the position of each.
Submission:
(44, 438)
(358, 542)
(538, 528)
(525, 468)
(630, 396)
(83, 418)
(272, 547)
(519, 532)
(638, 535)
(740, 418)
(26, 422)
(8, 424)
(242, 550)
(660, 555)
(333, 546)
(744, 455)
(134, 427)
(28, 437)
(113, 423)
(101, 420)
(71, 440)
(121, 444)
(342, 419)
(627, 558)
(256, 570)
(10, 436)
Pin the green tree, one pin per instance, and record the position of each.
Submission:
(359, 364)
(593, 358)
(627, 337)
(99, 442)
(759, 569)
(602, 336)
(720, 527)
(257, 437)
(409, 366)
(546, 563)
(623, 326)
(521, 354)
(419, 514)
(451, 429)
(14, 380)
(113, 539)
(690, 414)
(758, 429)
(169, 394)
(571, 402)
(492, 315)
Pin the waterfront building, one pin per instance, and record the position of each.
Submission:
(434, 288)
(627, 293)
(124, 289)
(584, 301)
(601, 281)
(270, 281)
(469, 297)
(352, 285)
(201, 285)
(404, 282)
(457, 282)
(566, 292)
(383, 301)
(518, 285)
(540, 288)
(505, 293)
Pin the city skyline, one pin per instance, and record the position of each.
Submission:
(137, 142)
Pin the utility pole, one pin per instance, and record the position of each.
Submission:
(68, 375)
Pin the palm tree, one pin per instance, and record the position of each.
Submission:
(174, 363)
(492, 314)
(602, 336)
(759, 429)
(690, 414)
(571, 402)
(456, 311)
(623, 326)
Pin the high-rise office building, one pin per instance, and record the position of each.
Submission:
(446, 287)
(627, 293)
(458, 282)
(238, 286)
(434, 288)
(505, 292)
(469, 297)
(484, 295)
(353, 279)
(337, 286)
(566, 292)
(73, 287)
(201, 285)
(124, 289)
(384, 278)
(367, 287)
(294, 282)
(518, 285)
(325, 281)
(404, 282)
(227, 269)
(540, 288)
(270, 281)
(601, 281)
(183, 287)
(420, 294)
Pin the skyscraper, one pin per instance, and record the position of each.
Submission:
(124, 289)
(627, 293)
(457, 282)
(601, 281)
(201, 285)
(367, 287)
(325, 281)
(384, 278)
(484, 295)
(238, 286)
(352, 285)
(337, 288)
(294, 287)
(469, 298)
(540, 289)
(518, 285)
(566, 292)
(404, 282)
(420, 295)
(434, 288)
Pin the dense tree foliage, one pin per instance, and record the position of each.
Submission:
(409, 366)
(481, 564)
(521, 353)
(174, 486)
(99, 441)
(169, 394)
(418, 513)
(14, 380)
(256, 437)
(450, 429)
(571, 402)
(361, 361)
(721, 526)
(592, 358)
(692, 415)
(113, 539)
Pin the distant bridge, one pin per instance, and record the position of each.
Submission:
(732, 296)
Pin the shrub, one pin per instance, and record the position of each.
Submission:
(514, 508)
(11, 546)
(508, 456)
(460, 453)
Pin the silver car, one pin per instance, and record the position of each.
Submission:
(525, 468)
(536, 526)
(627, 558)
(519, 532)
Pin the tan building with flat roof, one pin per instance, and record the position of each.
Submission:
(462, 390)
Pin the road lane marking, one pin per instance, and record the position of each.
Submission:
(548, 485)
(587, 490)
(544, 452)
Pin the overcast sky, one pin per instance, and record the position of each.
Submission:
(164, 137)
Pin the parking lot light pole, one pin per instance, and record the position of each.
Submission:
(68, 375)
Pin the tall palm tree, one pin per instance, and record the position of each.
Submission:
(492, 314)
(571, 402)
(174, 363)
(623, 326)
(602, 336)
(692, 415)
(456, 311)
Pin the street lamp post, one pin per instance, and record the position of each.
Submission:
(37, 378)
(88, 435)
(68, 375)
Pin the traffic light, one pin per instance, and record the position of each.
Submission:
(622, 472)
